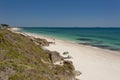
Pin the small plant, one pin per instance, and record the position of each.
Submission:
(65, 53)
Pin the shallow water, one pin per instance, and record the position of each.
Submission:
(108, 38)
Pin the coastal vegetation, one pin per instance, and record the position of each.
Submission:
(22, 59)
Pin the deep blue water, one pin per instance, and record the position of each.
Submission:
(108, 38)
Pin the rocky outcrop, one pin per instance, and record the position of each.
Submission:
(55, 56)
(66, 73)
(42, 42)
(39, 41)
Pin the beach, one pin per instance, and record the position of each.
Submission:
(60, 40)
(94, 63)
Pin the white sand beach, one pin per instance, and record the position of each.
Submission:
(94, 63)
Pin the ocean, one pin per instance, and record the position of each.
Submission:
(108, 38)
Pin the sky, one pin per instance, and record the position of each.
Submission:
(60, 13)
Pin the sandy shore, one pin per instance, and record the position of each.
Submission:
(94, 63)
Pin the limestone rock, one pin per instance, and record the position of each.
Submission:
(55, 56)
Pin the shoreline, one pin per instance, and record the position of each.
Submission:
(17, 29)
(94, 63)
(51, 39)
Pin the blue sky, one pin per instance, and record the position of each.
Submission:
(71, 13)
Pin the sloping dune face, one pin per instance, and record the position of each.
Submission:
(22, 59)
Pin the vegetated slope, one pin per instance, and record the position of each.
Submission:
(22, 59)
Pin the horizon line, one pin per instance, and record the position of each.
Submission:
(63, 27)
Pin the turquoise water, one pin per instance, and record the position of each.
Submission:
(108, 38)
